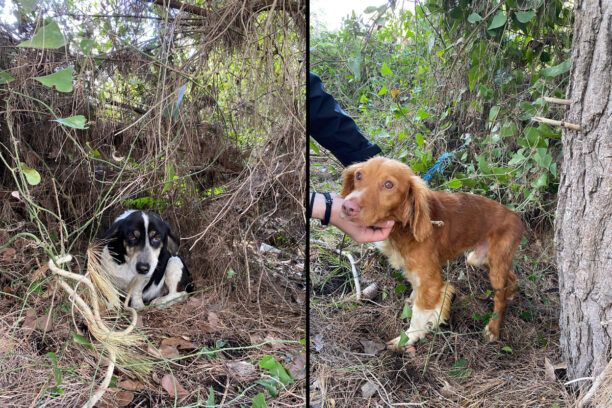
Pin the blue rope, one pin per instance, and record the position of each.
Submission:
(439, 166)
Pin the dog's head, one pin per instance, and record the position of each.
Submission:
(137, 238)
(382, 189)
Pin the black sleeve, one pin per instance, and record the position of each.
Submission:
(334, 129)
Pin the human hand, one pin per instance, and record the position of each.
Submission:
(359, 233)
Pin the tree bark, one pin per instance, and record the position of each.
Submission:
(583, 229)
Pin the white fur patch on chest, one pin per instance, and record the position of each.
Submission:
(393, 255)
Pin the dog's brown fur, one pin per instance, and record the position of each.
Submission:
(421, 248)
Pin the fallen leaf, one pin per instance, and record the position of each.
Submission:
(172, 387)
(169, 351)
(549, 370)
(39, 273)
(447, 391)
(318, 342)
(372, 347)
(369, 389)
(152, 351)
(182, 343)
(241, 370)
(33, 322)
(131, 385)
(124, 398)
(7, 254)
(213, 319)
(297, 366)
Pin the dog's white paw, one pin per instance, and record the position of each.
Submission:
(489, 335)
(169, 300)
(393, 345)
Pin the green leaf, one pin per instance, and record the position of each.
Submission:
(210, 401)
(230, 273)
(385, 70)
(76, 122)
(403, 340)
(459, 369)
(541, 181)
(26, 6)
(557, 70)
(454, 183)
(517, 158)
(57, 373)
(383, 91)
(81, 340)
(276, 369)
(32, 176)
(87, 45)
(61, 80)
(406, 312)
(493, 113)
(420, 139)
(5, 77)
(314, 146)
(48, 36)
(270, 385)
(474, 18)
(473, 77)
(507, 349)
(498, 21)
(259, 401)
(508, 129)
(354, 64)
(525, 16)
(422, 114)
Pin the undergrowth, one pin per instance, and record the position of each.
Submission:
(195, 113)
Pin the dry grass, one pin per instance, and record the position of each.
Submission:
(455, 367)
(227, 173)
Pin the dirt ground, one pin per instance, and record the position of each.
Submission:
(453, 367)
(210, 344)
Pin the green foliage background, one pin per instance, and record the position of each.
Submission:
(464, 77)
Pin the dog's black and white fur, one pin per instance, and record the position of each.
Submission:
(140, 246)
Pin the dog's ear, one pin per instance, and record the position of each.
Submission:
(111, 233)
(416, 210)
(173, 243)
(348, 180)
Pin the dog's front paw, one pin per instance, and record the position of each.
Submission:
(490, 335)
(169, 300)
(394, 345)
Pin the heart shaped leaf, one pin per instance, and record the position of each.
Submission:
(498, 21)
(48, 36)
(61, 80)
(5, 77)
(474, 18)
(75, 122)
(557, 70)
(525, 16)
(32, 176)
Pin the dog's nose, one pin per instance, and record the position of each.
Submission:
(350, 207)
(142, 267)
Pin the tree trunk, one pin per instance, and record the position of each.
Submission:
(583, 229)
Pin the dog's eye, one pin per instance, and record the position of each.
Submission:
(358, 176)
(388, 185)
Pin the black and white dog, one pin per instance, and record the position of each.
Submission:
(140, 250)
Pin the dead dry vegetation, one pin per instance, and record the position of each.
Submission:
(454, 367)
(196, 113)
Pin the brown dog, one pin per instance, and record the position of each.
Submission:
(433, 227)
